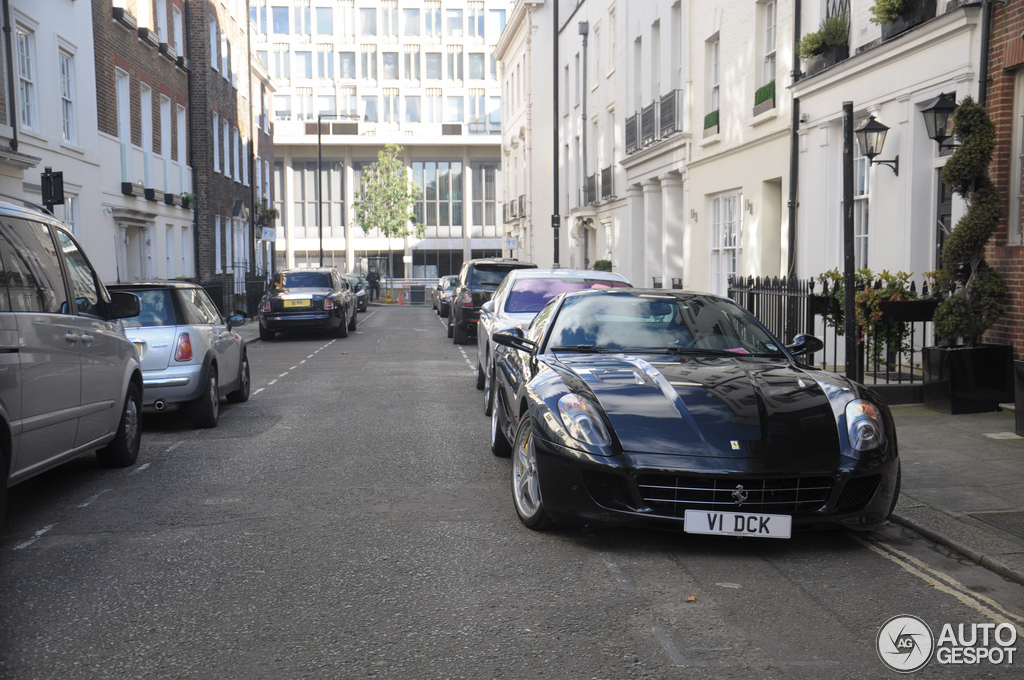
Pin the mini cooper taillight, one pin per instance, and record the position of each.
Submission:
(183, 352)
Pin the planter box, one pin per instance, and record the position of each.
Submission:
(172, 199)
(829, 57)
(907, 310)
(154, 195)
(967, 379)
(1018, 400)
(766, 105)
(923, 12)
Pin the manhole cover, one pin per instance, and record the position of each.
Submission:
(1010, 522)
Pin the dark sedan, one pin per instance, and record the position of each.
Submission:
(651, 407)
(441, 294)
(308, 299)
(361, 289)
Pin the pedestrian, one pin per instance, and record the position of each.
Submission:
(373, 279)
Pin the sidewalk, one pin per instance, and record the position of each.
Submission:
(963, 481)
(963, 484)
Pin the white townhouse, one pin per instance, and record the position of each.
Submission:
(354, 75)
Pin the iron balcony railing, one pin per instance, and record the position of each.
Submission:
(522, 205)
(671, 114)
(632, 136)
(591, 190)
(648, 127)
(607, 183)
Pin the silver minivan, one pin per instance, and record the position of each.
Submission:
(70, 380)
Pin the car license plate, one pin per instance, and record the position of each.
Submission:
(296, 303)
(752, 524)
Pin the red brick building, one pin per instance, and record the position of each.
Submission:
(1006, 106)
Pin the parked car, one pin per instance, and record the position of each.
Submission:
(522, 294)
(362, 291)
(478, 280)
(308, 299)
(71, 378)
(441, 294)
(655, 407)
(190, 356)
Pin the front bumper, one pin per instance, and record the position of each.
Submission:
(639, 489)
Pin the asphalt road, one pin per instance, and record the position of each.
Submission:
(349, 521)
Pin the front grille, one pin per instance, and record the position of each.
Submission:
(857, 493)
(673, 495)
(608, 491)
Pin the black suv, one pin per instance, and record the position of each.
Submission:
(476, 285)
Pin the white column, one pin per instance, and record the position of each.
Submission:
(629, 258)
(654, 230)
(673, 211)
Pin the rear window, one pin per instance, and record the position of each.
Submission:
(156, 309)
(488, 275)
(306, 280)
(530, 295)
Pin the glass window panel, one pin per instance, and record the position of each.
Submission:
(325, 20)
(412, 21)
(368, 21)
(348, 64)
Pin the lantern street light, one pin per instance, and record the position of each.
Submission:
(938, 118)
(870, 138)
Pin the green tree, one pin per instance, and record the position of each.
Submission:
(387, 197)
(978, 294)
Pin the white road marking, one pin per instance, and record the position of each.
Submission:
(35, 537)
(175, 445)
(283, 374)
(290, 369)
(89, 501)
(259, 390)
(979, 603)
(271, 382)
(138, 469)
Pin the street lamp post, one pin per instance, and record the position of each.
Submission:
(319, 186)
(849, 264)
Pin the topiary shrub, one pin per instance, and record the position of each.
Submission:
(602, 265)
(976, 293)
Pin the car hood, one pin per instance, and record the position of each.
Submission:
(722, 407)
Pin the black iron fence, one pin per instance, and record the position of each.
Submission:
(889, 346)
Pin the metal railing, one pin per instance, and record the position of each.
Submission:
(648, 124)
(632, 134)
(607, 183)
(889, 354)
(591, 190)
(671, 114)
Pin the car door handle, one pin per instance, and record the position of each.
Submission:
(71, 337)
(87, 339)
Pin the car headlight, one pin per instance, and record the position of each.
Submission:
(581, 419)
(864, 424)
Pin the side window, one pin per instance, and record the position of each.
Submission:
(195, 308)
(204, 302)
(540, 323)
(34, 280)
(83, 278)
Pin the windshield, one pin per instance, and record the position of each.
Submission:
(306, 280)
(697, 324)
(488, 275)
(529, 295)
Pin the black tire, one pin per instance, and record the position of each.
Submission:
(241, 395)
(342, 330)
(266, 335)
(460, 336)
(206, 409)
(451, 328)
(526, 494)
(123, 451)
(481, 377)
(896, 491)
(3, 494)
(500, 445)
(489, 392)
(352, 322)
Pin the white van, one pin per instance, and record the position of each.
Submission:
(70, 380)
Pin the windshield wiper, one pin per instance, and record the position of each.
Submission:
(585, 349)
(679, 351)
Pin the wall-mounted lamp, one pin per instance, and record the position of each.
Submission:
(748, 205)
(938, 119)
(693, 214)
(870, 138)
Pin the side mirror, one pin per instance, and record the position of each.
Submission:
(487, 307)
(124, 305)
(235, 320)
(515, 339)
(805, 344)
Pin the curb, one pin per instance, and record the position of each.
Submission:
(989, 563)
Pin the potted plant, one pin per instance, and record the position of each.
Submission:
(265, 214)
(764, 98)
(188, 199)
(897, 16)
(711, 123)
(602, 265)
(963, 374)
(828, 45)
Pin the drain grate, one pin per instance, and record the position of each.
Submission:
(1010, 522)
